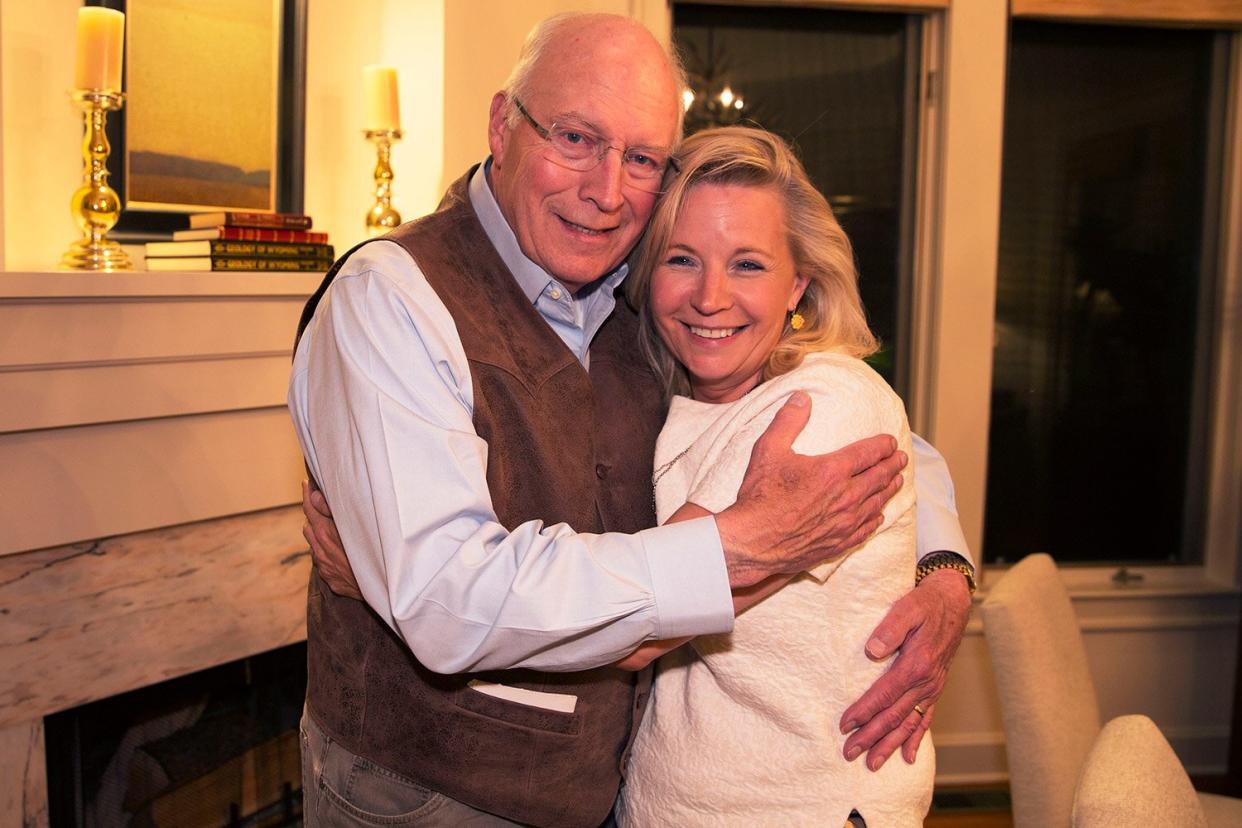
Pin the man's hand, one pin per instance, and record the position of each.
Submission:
(926, 625)
(325, 544)
(794, 511)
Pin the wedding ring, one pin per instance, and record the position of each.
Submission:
(919, 709)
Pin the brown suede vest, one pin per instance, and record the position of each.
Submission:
(564, 445)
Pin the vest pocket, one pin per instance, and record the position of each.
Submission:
(517, 714)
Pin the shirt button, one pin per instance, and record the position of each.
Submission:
(601, 471)
(555, 293)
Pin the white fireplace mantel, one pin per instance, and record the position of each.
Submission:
(148, 467)
(138, 400)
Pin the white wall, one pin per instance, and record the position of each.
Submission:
(341, 39)
(42, 131)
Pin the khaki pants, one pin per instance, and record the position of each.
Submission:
(342, 790)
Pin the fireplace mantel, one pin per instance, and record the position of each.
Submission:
(138, 400)
(146, 529)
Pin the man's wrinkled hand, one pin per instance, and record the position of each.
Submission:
(326, 548)
(924, 628)
(794, 511)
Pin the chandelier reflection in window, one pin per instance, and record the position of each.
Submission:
(710, 101)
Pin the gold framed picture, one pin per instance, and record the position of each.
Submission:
(213, 116)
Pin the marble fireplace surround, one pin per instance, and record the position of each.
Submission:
(90, 620)
(148, 471)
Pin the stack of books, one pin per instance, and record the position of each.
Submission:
(243, 241)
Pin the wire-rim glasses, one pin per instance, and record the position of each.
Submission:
(577, 148)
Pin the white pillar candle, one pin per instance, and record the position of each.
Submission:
(383, 110)
(101, 43)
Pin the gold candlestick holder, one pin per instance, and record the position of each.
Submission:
(95, 205)
(382, 217)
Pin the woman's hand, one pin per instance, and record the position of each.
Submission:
(925, 627)
(743, 599)
(325, 544)
(649, 652)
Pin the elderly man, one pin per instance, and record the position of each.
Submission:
(468, 396)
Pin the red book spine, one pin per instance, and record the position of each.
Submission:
(270, 235)
(281, 221)
(285, 221)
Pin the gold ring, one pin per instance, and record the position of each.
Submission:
(919, 709)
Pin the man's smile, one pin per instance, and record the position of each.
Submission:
(588, 231)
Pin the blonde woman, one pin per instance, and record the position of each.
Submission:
(747, 293)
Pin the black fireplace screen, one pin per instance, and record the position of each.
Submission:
(215, 748)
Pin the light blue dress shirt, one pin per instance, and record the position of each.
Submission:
(382, 401)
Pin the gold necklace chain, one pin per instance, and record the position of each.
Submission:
(665, 469)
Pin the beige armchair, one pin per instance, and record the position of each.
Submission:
(1048, 700)
(1133, 779)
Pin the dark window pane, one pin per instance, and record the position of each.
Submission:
(835, 85)
(1101, 269)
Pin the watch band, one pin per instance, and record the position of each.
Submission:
(945, 560)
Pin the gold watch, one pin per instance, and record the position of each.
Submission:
(945, 560)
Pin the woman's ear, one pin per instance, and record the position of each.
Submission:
(799, 288)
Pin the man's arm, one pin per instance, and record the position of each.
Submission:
(743, 599)
(381, 397)
(927, 625)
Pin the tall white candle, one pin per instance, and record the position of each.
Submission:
(383, 109)
(101, 44)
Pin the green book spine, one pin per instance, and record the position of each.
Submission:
(255, 263)
(271, 249)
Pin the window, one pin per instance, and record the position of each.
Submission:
(842, 87)
(1110, 181)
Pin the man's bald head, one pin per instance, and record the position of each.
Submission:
(583, 34)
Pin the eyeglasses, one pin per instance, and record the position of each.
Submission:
(577, 148)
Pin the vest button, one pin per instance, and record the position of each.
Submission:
(601, 471)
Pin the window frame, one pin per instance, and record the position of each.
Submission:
(952, 407)
(951, 312)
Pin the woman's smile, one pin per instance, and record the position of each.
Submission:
(713, 333)
(722, 291)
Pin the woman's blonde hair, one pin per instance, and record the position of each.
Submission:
(748, 157)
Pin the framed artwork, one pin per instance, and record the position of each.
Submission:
(214, 110)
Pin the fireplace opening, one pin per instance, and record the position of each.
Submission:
(215, 748)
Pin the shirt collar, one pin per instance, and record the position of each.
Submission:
(531, 278)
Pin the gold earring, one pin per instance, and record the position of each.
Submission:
(797, 321)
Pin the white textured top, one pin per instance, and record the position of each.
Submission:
(743, 729)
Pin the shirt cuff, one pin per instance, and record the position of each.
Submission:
(939, 530)
(688, 578)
